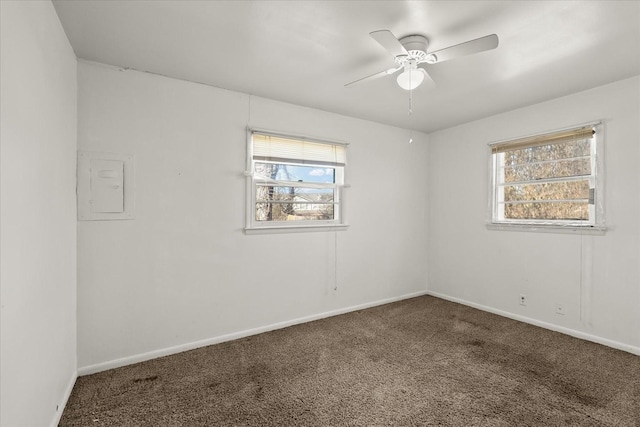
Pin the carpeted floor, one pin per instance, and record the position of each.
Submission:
(418, 362)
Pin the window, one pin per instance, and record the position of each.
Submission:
(547, 180)
(294, 183)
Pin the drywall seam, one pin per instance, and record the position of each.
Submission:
(99, 367)
(567, 331)
(65, 399)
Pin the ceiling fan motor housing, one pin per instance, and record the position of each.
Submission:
(416, 46)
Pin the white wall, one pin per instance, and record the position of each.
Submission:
(183, 272)
(596, 277)
(37, 215)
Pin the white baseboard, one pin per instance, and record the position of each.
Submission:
(65, 399)
(567, 331)
(116, 363)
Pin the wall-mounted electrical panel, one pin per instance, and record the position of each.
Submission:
(105, 186)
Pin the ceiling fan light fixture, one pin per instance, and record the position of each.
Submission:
(410, 78)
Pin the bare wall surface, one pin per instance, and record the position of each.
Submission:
(183, 270)
(595, 277)
(37, 215)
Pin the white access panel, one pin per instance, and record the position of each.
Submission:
(105, 186)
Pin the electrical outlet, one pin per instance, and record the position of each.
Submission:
(560, 309)
(523, 299)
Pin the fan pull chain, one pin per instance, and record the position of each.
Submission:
(410, 108)
(410, 102)
(410, 96)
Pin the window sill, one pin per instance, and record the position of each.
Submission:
(542, 228)
(295, 229)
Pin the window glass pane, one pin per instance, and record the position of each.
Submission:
(280, 203)
(564, 150)
(284, 172)
(293, 194)
(273, 211)
(568, 190)
(548, 211)
(559, 169)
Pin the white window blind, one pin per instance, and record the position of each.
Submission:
(546, 139)
(280, 149)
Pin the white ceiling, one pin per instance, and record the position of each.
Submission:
(303, 52)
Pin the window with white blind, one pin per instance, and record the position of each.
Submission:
(548, 180)
(294, 182)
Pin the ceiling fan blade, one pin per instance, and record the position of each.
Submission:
(466, 48)
(390, 42)
(427, 77)
(375, 76)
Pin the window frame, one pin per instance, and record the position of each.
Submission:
(595, 223)
(253, 226)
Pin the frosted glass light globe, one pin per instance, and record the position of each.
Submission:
(410, 79)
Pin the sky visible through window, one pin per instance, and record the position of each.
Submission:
(316, 174)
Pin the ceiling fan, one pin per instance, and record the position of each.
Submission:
(411, 56)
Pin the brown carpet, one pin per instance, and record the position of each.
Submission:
(418, 362)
